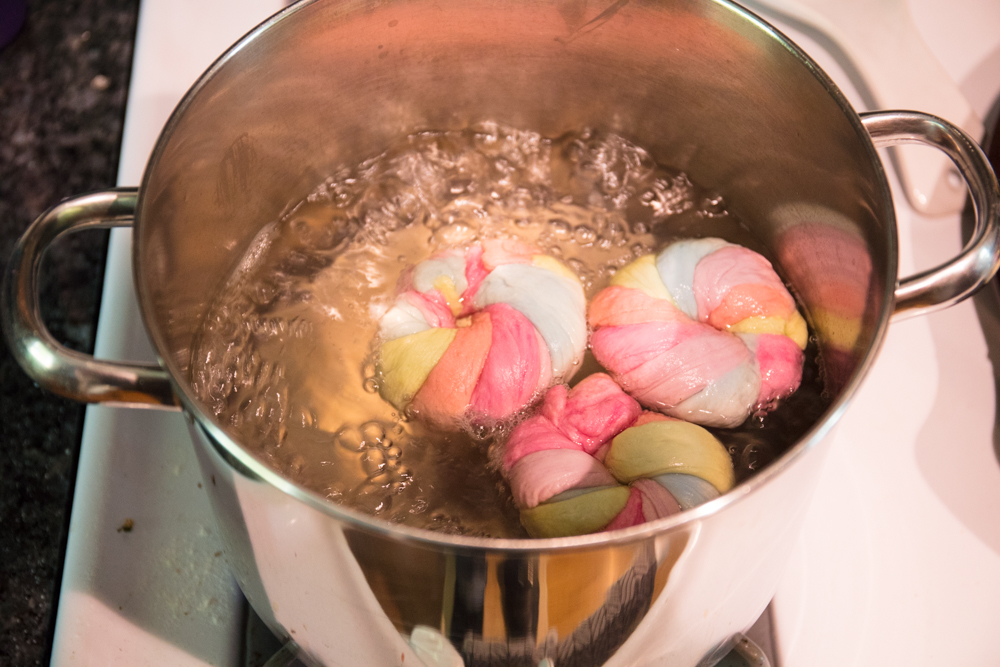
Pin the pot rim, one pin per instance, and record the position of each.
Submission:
(249, 465)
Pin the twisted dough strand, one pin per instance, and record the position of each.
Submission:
(704, 331)
(476, 333)
(593, 460)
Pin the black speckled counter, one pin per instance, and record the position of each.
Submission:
(63, 84)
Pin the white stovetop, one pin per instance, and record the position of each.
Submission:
(899, 564)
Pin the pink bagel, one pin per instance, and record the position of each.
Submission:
(475, 334)
(591, 459)
(704, 331)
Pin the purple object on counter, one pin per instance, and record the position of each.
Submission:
(12, 14)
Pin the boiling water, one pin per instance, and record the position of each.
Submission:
(284, 358)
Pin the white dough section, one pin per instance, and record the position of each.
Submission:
(725, 402)
(426, 272)
(403, 319)
(554, 304)
(676, 266)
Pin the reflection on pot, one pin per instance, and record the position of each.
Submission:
(827, 261)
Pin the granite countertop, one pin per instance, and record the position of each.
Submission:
(63, 85)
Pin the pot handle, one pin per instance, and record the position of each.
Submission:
(53, 366)
(946, 285)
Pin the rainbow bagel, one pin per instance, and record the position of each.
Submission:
(593, 460)
(476, 333)
(704, 331)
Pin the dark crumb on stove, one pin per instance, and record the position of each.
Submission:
(218, 553)
(126, 526)
(213, 480)
(199, 485)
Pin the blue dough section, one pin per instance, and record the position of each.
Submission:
(688, 490)
(554, 304)
(676, 268)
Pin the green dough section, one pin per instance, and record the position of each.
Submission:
(663, 447)
(578, 515)
(406, 362)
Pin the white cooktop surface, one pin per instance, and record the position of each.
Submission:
(899, 564)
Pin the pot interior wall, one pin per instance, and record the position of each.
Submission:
(702, 86)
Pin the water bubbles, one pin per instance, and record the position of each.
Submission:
(554, 250)
(419, 506)
(350, 438)
(410, 414)
(459, 186)
(486, 135)
(756, 456)
(454, 235)
(264, 293)
(577, 266)
(584, 235)
(317, 234)
(668, 195)
(373, 462)
(373, 433)
(713, 206)
(559, 229)
(370, 498)
(268, 327)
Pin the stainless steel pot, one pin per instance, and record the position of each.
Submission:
(703, 84)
